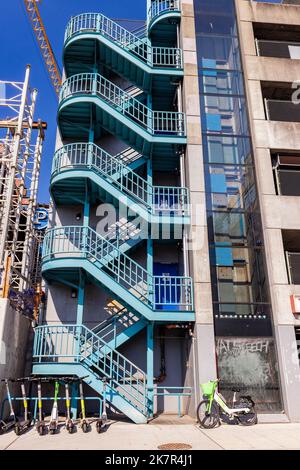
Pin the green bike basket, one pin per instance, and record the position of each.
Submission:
(208, 388)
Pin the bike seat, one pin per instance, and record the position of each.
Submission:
(235, 389)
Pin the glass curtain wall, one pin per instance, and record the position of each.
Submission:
(242, 313)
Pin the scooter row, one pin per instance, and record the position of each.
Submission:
(21, 424)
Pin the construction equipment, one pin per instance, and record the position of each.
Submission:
(53, 425)
(10, 422)
(43, 42)
(24, 424)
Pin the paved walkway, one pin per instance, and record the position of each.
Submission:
(127, 436)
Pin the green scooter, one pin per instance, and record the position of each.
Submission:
(10, 422)
(84, 423)
(53, 425)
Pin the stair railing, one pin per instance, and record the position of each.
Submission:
(154, 122)
(137, 46)
(162, 6)
(78, 344)
(157, 199)
(157, 292)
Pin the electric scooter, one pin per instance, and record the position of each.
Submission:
(22, 425)
(101, 423)
(10, 422)
(70, 425)
(84, 423)
(53, 425)
(40, 425)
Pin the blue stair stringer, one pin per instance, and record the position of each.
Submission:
(91, 106)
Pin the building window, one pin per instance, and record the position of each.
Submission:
(277, 40)
(291, 245)
(286, 170)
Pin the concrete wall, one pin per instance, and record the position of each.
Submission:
(278, 212)
(14, 335)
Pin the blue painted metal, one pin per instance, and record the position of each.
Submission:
(163, 10)
(83, 242)
(110, 31)
(91, 106)
(161, 391)
(156, 123)
(56, 347)
(120, 181)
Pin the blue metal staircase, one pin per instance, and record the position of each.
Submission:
(122, 51)
(155, 297)
(110, 175)
(76, 350)
(144, 116)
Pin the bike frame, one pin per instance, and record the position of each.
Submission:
(220, 401)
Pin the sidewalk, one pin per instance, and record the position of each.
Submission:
(127, 436)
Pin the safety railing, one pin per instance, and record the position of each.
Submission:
(160, 57)
(156, 199)
(157, 292)
(162, 6)
(154, 122)
(78, 344)
(173, 392)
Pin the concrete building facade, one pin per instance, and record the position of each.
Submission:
(194, 127)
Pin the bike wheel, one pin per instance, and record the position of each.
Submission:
(206, 419)
(248, 419)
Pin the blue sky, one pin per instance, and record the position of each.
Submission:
(19, 47)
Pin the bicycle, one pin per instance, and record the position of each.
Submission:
(213, 407)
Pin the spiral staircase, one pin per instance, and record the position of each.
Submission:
(145, 116)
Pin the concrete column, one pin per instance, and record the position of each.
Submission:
(276, 214)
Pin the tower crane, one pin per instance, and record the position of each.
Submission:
(43, 42)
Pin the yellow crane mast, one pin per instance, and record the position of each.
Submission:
(43, 42)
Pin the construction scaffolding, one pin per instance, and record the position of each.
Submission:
(20, 158)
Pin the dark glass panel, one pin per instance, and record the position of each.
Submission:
(227, 149)
(221, 82)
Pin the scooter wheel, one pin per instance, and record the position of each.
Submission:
(1, 429)
(85, 427)
(41, 430)
(17, 430)
(71, 429)
(100, 427)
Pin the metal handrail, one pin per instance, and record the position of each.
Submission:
(154, 122)
(163, 57)
(157, 199)
(162, 6)
(78, 344)
(154, 291)
(110, 328)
